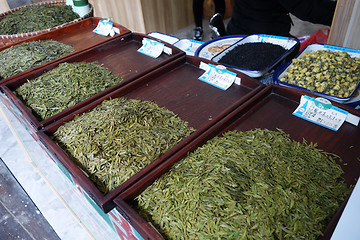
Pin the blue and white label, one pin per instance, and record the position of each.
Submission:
(218, 76)
(105, 28)
(321, 112)
(151, 48)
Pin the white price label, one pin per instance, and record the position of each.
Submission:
(104, 28)
(321, 111)
(218, 76)
(151, 48)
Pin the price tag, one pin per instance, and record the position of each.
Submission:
(105, 28)
(321, 111)
(151, 48)
(218, 76)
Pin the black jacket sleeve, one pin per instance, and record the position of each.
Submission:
(315, 11)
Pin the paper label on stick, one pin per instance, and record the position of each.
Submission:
(104, 28)
(151, 48)
(321, 112)
(218, 76)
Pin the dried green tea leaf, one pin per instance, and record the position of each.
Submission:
(65, 86)
(24, 56)
(118, 138)
(34, 18)
(258, 184)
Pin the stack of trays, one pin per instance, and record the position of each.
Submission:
(174, 86)
(172, 82)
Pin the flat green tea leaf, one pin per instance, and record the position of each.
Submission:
(65, 86)
(118, 138)
(27, 55)
(246, 185)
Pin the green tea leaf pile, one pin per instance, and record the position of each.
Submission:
(34, 18)
(258, 184)
(27, 55)
(119, 137)
(64, 86)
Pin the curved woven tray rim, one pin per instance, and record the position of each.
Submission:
(30, 34)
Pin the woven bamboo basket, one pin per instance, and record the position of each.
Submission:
(10, 39)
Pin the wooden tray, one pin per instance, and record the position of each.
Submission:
(144, 228)
(175, 87)
(270, 109)
(118, 54)
(79, 35)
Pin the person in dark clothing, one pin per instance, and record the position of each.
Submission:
(198, 15)
(272, 16)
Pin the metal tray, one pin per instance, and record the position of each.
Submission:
(209, 49)
(174, 86)
(119, 55)
(354, 100)
(270, 109)
(164, 37)
(279, 73)
(189, 46)
(291, 45)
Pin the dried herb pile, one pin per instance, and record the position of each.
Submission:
(246, 185)
(64, 86)
(119, 137)
(253, 56)
(334, 73)
(34, 18)
(24, 56)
